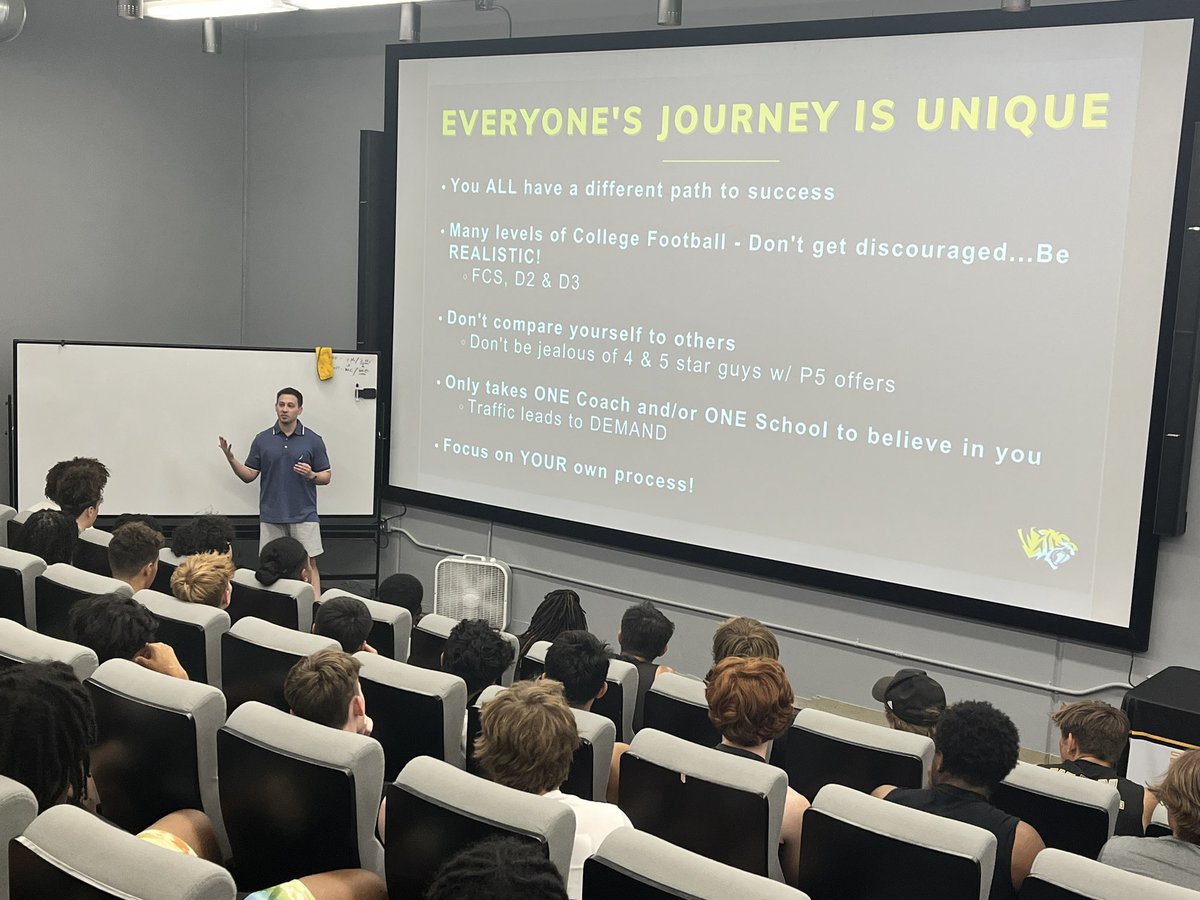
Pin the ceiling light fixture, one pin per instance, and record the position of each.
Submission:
(410, 23)
(210, 36)
(1015, 5)
(12, 19)
(341, 4)
(670, 12)
(130, 9)
(213, 9)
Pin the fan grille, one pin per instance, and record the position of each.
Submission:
(465, 588)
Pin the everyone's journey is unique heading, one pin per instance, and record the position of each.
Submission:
(1023, 113)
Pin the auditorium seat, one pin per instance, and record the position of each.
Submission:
(858, 847)
(69, 854)
(18, 807)
(316, 809)
(256, 657)
(60, 587)
(13, 526)
(287, 602)
(676, 704)
(429, 638)
(391, 626)
(6, 515)
(168, 562)
(1159, 826)
(417, 712)
(720, 806)
(434, 810)
(1059, 875)
(156, 745)
(591, 764)
(1072, 814)
(619, 701)
(193, 630)
(91, 552)
(19, 644)
(18, 578)
(824, 748)
(634, 865)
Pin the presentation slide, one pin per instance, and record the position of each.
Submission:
(887, 306)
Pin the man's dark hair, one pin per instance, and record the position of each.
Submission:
(133, 547)
(345, 619)
(559, 611)
(203, 534)
(114, 626)
(1100, 730)
(290, 390)
(78, 488)
(50, 534)
(477, 654)
(47, 727)
(498, 868)
(60, 468)
(404, 590)
(579, 660)
(149, 521)
(284, 557)
(978, 743)
(645, 631)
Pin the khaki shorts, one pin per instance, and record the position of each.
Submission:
(307, 533)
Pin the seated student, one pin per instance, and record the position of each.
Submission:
(579, 661)
(643, 637)
(559, 611)
(527, 738)
(1092, 737)
(1174, 858)
(404, 590)
(498, 868)
(347, 620)
(976, 747)
(283, 557)
(133, 554)
(80, 493)
(117, 627)
(743, 636)
(751, 703)
(324, 688)
(50, 534)
(149, 521)
(47, 730)
(203, 534)
(912, 701)
(204, 578)
(476, 653)
(56, 472)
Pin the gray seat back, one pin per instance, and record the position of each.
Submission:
(60, 587)
(193, 630)
(1059, 875)
(429, 637)
(1072, 814)
(6, 514)
(67, 852)
(18, 807)
(256, 657)
(18, 579)
(91, 552)
(19, 644)
(286, 602)
(676, 704)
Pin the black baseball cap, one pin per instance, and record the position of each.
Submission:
(909, 694)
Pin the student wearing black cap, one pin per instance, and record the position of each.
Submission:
(912, 701)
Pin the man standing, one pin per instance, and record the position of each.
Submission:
(293, 461)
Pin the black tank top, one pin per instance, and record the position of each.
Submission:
(974, 809)
(739, 751)
(1129, 818)
(646, 672)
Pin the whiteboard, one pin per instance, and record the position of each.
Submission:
(152, 414)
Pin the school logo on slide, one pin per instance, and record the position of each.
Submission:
(1047, 544)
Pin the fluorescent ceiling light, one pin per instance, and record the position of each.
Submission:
(213, 9)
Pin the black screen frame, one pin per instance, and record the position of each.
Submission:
(1136, 636)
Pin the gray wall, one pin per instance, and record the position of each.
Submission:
(122, 219)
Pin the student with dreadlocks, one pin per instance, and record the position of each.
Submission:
(560, 611)
(47, 729)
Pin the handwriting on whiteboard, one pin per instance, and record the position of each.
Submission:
(354, 364)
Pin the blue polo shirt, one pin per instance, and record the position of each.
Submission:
(284, 497)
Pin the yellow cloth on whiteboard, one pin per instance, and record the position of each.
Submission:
(324, 363)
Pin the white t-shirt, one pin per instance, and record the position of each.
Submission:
(593, 823)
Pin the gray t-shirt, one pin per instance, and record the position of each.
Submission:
(1165, 858)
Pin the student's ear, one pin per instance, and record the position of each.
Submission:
(620, 638)
(603, 690)
(228, 598)
(358, 706)
(313, 630)
(663, 651)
